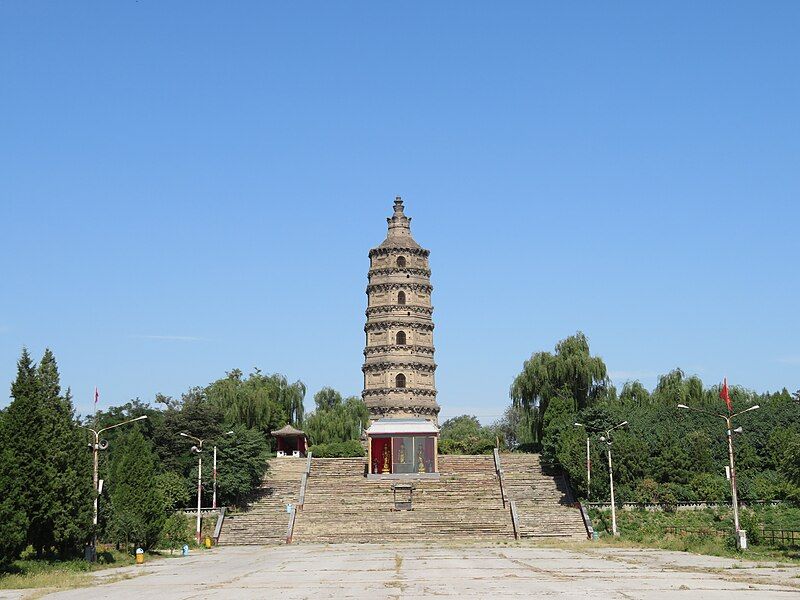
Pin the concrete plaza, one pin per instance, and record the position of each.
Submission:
(426, 571)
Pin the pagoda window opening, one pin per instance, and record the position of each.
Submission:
(400, 380)
(401, 338)
(401, 261)
(401, 297)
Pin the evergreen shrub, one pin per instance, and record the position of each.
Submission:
(348, 449)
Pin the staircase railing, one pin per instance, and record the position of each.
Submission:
(506, 502)
(301, 498)
(587, 521)
(220, 521)
(290, 529)
(499, 470)
(514, 519)
(571, 497)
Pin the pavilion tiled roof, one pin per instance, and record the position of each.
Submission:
(288, 430)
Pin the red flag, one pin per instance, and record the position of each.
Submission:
(723, 393)
(96, 395)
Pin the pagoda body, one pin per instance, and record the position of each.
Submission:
(399, 367)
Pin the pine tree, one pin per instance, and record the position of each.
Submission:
(137, 507)
(53, 483)
(27, 441)
(12, 509)
(70, 486)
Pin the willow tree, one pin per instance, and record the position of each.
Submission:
(335, 420)
(259, 401)
(675, 387)
(633, 392)
(571, 371)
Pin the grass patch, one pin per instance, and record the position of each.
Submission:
(52, 580)
(29, 573)
(713, 533)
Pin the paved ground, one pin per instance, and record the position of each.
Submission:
(374, 572)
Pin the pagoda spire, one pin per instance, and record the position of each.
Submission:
(399, 223)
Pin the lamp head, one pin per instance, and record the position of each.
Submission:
(738, 430)
(683, 406)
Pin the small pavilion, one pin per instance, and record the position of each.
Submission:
(291, 440)
(402, 449)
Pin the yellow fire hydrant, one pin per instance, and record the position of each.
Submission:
(208, 542)
(139, 556)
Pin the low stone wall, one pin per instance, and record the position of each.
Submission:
(678, 505)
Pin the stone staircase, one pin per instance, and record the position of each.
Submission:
(542, 500)
(341, 505)
(265, 521)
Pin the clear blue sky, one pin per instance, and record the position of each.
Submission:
(187, 188)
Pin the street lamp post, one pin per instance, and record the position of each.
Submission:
(741, 535)
(214, 474)
(96, 447)
(588, 462)
(199, 450)
(607, 440)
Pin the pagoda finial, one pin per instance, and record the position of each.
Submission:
(399, 223)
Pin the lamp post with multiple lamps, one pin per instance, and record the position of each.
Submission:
(588, 461)
(96, 446)
(199, 449)
(607, 439)
(741, 534)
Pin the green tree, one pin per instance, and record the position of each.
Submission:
(194, 414)
(572, 370)
(515, 428)
(175, 532)
(327, 399)
(264, 402)
(137, 507)
(25, 427)
(633, 392)
(666, 454)
(72, 485)
(54, 481)
(465, 435)
(242, 462)
(173, 490)
(334, 420)
(12, 510)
